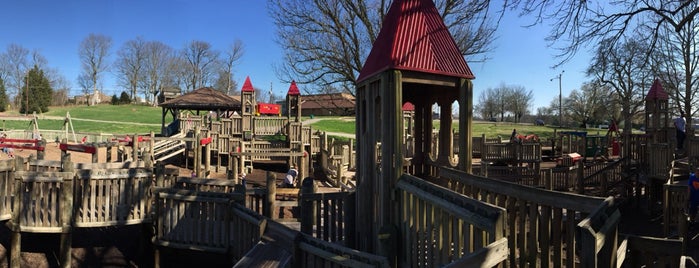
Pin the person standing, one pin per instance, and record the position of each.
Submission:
(680, 128)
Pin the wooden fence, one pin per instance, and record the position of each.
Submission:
(440, 227)
(540, 223)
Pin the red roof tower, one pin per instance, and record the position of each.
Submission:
(657, 92)
(293, 89)
(413, 37)
(247, 86)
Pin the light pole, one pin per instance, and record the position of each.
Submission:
(560, 98)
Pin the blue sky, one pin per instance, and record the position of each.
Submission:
(56, 28)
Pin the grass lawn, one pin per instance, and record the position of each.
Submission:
(490, 129)
(122, 118)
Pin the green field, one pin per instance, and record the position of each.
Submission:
(126, 119)
(490, 129)
(117, 119)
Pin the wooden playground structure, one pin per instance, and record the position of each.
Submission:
(417, 200)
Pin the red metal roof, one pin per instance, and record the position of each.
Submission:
(408, 106)
(247, 86)
(657, 92)
(413, 37)
(293, 89)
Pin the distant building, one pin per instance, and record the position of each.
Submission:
(94, 98)
(341, 104)
(169, 93)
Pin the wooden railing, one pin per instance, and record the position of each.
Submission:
(540, 223)
(463, 229)
(112, 197)
(600, 247)
(196, 220)
(263, 125)
(598, 235)
(675, 206)
(326, 216)
(7, 168)
(43, 203)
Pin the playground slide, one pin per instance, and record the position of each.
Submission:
(165, 149)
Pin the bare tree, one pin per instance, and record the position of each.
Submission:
(177, 74)
(487, 104)
(158, 57)
(576, 24)
(624, 71)
(130, 65)
(520, 99)
(589, 104)
(16, 63)
(201, 61)
(93, 52)
(326, 42)
(676, 62)
(85, 83)
(231, 57)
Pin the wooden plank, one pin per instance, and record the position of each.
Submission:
(493, 254)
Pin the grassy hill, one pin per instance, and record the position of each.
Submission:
(92, 119)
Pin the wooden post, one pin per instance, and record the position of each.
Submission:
(548, 179)
(95, 156)
(234, 167)
(197, 152)
(66, 213)
(303, 167)
(151, 143)
(207, 160)
(240, 189)
(40, 154)
(63, 152)
(159, 174)
(268, 208)
(307, 208)
(16, 236)
(135, 148)
(580, 176)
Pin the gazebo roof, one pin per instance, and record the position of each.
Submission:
(413, 37)
(657, 92)
(205, 98)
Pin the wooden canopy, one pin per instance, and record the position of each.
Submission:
(202, 99)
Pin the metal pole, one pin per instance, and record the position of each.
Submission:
(560, 98)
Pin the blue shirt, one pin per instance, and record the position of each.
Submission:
(693, 184)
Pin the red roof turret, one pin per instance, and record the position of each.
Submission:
(247, 86)
(293, 89)
(413, 37)
(657, 92)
